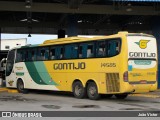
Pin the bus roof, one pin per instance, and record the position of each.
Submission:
(78, 39)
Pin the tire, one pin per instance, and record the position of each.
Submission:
(78, 90)
(20, 87)
(121, 96)
(92, 91)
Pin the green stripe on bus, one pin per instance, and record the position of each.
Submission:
(39, 73)
(34, 73)
(41, 68)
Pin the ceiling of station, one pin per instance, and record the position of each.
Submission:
(91, 16)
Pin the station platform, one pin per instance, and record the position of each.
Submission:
(155, 94)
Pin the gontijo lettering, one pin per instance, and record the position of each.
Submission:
(142, 54)
(69, 66)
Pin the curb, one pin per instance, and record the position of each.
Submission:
(12, 91)
(146, 95)
(154, 94)
(3, 90)
(8, 90)
(158, 90)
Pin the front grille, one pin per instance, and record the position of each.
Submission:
(112, 82)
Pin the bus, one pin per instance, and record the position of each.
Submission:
(120, 64)
(2, 71)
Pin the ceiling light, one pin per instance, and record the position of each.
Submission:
(28, 4)
(32, 20)
(129, 7)
(79, 21)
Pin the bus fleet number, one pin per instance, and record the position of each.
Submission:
(108, 64)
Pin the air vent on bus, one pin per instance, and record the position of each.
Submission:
(112, 82)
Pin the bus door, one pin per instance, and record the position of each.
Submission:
(10, 73)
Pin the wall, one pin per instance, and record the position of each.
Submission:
(11, 43)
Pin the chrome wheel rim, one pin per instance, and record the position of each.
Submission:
(92, 91)
(78, 90)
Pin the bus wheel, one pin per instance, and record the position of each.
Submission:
(121, 96)
(92, 91)
(78, 90)
(20, 87)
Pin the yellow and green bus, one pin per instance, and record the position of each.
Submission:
(119, 64)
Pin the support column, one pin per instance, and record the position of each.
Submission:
(61, 33)
(72, 26)
(0, 39)
(0, 44)
(156, 33)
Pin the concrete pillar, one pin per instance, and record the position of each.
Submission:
(0, 39)
(61, 33)
(72, 26)
(156, 33)
(0, 45)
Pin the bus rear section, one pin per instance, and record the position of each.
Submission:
(142, 63)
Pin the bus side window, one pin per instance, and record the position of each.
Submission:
(113, 48)
(117, 47)
(46, 54)
(90, 50)
(71, 51)
(26, 55)
(30, 55)
(67, 53)
(87, 50)
(59, 52)
(20, 56)
(74, 50)
(33, 55)
(80, 52)
(52, 53)
(43, 53)
(83, 50)
(101, 49)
